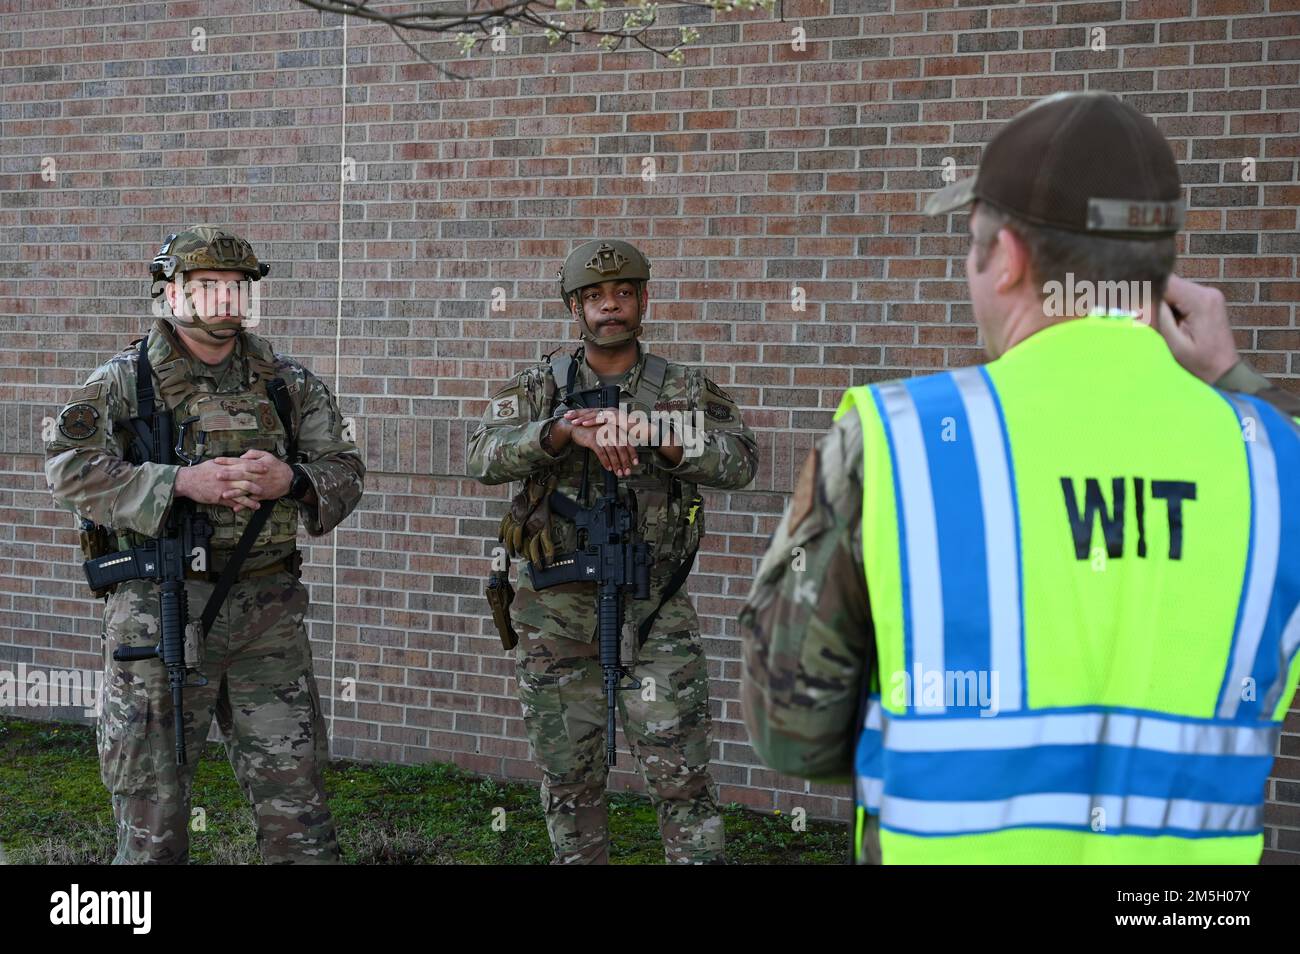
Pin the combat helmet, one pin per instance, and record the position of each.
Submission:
(203, 247)
(602, 260)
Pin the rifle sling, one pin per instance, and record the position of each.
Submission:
(275, 389)
(674, 584)
(142, 424)
(230, 572)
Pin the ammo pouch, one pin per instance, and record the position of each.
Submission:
(500, 594)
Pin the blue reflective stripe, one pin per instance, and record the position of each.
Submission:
(922, 592)
(905, 590)
(1261, 565)
(998, 765)
(999, 774)
(1001, 534)
(1116, 814)
(870, 758)
(1290, 645)
(1267, 635)
(1141, 730)
(959, 527)
(1273, 657)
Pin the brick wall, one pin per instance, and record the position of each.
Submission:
(773, 168)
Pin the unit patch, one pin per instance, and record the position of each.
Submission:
(78, 422)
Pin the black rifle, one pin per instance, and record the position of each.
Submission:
(610, 555)
(164, 560)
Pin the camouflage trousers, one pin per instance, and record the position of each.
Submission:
(262, 690)
(666, 723)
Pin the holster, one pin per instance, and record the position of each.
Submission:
(97, 541)
(500, 594)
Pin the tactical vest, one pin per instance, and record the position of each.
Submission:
(1086, 606)
(669, 516)
(227, 425)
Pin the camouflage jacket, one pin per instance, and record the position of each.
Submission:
(722, 453)
(87, 473)
(808, 636)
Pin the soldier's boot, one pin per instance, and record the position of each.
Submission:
(668, 727)
(564, 714)
(277, 739)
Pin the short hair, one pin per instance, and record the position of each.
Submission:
(1094, 258)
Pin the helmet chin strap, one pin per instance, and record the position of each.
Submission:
(204, 329)
(609, 341)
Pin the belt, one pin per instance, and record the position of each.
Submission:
(289, 564)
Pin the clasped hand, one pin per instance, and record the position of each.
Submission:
(611, 434)
(236, 482)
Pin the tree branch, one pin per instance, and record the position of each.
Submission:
(636, 22)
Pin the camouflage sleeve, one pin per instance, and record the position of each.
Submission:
(806, 627)
(1242, 377)
(84, 463)
(723, 453)
(333, 463)
(506, 445)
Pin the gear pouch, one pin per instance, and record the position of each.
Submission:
(229, 424)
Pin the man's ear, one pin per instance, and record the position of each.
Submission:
(1018, 267)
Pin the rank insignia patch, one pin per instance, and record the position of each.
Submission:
(717, 390)
(77, 423)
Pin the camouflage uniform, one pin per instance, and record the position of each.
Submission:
(557, 663)
(807, 629)
(257, 658)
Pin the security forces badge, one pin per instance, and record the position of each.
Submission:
(79, 422)
(505, 409)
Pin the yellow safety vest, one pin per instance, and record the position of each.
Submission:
(1085, 617)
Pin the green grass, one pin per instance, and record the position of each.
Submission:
(55, 810)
